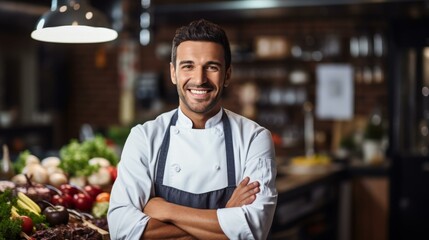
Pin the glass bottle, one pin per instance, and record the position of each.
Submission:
(6, 167)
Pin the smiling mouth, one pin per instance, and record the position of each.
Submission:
(198, 92)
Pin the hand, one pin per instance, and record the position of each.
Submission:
(155, 208)
(244, 194)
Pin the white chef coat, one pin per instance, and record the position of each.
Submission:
(253, 154)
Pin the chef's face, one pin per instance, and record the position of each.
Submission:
(200, 76)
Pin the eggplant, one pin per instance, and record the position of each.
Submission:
(56, 215)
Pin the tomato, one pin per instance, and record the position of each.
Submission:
(103, 197)
(63, 200)
(27, 224)
(92, 190)
(277, 139)
(68, 189)
(82, 202)
(113, 172)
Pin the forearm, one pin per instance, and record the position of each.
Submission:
(156, 229)
(200, 223)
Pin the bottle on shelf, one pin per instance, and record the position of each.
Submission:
(6, 167)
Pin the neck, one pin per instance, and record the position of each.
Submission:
(199, 119)
(199, 123)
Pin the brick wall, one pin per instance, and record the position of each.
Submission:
(94, 88)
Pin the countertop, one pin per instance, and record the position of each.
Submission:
(289, 179)
(312, 195)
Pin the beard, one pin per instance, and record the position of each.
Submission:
(199, 106)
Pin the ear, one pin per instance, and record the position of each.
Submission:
(173, 74)
(227, 77)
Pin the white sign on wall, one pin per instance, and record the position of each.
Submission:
(334, 91)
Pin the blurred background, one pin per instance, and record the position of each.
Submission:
(346, 79)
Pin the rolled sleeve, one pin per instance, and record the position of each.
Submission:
(234, 217)
(248, 222)
(131, 190)
(126, 223)
(254, 221)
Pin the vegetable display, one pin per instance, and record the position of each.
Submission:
(22, 217)
(21, 161)
(59, 195)
(10, 228)
(75, 156)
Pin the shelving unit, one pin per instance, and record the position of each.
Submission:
(308, 44)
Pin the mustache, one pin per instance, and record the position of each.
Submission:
(204, 85)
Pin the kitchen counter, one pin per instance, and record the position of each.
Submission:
(288, 181)
(357, 168)
(309, 199)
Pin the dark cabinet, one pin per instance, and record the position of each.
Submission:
(409, 119)
(308, 207)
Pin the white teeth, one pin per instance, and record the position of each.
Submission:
(198, 91)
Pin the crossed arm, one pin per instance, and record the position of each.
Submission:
(172, 221)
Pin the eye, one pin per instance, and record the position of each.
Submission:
(187, 67)
(212, 68)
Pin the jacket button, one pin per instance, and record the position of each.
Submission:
(176, 167)
(219, 132)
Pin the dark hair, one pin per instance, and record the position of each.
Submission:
(202, 30)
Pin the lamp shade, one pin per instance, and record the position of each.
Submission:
(75, 21)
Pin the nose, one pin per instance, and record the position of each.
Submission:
(200, 76)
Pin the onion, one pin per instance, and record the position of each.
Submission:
(101, 178)
(50, 162)
(19, 179)
(100, 161)
(56, 179)
(31, 159)
(78, 181)
(37, 172)
(52, 170)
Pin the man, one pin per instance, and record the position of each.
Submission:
(198, 171)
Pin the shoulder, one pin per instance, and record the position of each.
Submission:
(243, 124)
(159, 124)
(252, 139)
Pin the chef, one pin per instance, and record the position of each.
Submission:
(199, 171)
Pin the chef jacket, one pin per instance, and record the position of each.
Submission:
(195, 171)
(208, 200)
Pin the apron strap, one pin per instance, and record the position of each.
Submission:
(164, 150)
(229, 150)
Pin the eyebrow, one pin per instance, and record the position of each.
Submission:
(208, 63)
(186, 62)
(214, 63)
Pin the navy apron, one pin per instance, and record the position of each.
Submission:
(209, 200)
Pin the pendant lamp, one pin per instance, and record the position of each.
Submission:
(73, 21)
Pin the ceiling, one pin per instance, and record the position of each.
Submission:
(22, 15)
(257, 10)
